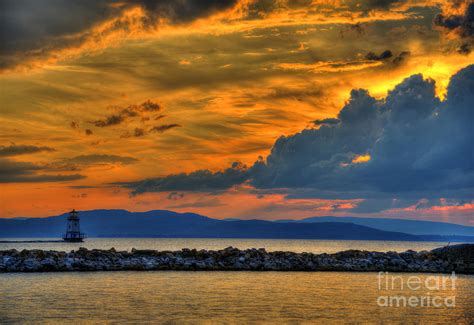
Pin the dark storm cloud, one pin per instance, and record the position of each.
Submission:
(128, 112)
(174, 196)
(81, 187)
(34, 29)
(295, 93)
(369, 5)
(147, 106)
(401, 58)
(15, 150)
(24, 172)
(416, 143)
(138, 132)
(326, 121)
(387, 54)
(27, 25)
(464, 49)
(356, 29)
(462, 25)
(200, 180)
(95, 159)
(260, 8)
(110, 120)
(164, 128)
(182, 11)
(419, 147)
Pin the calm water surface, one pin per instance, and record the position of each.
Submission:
(223, 297)
(313, 246)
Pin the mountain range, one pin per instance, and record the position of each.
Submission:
(414, 227)
(169, 224)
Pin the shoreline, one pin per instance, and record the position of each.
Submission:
(29, 241)
(456, 258)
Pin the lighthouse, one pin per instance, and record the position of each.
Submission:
(73, 231)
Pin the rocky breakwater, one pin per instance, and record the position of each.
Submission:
(458, 258)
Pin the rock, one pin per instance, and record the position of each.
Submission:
(48, 264)
(457, 258)
(146, 252)
(31, 264)
(464, 251)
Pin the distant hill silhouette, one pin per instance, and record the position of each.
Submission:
(168, 224)
(414, 227)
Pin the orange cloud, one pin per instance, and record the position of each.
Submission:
(457, 213)
(105, 34)
(134, 22)
(361, 159)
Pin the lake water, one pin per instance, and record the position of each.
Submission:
(224, 297)
(294, 245)
(228, 297)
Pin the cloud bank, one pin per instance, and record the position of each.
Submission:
(24, 172)
(42, 30)
(128, 112)
(200, 180)
(94, 159)
(409, 144)
(458, 21)
(34, 33)
(12, 171)
(16, 150)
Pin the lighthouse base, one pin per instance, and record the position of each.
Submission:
(73, 240)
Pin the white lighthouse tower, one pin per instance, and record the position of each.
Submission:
(73, 231)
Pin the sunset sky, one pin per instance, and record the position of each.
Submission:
(268, 109)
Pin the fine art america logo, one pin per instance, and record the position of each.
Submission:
(423, 291)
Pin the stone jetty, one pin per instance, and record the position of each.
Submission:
(458, 258)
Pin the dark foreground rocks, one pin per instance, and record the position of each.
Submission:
(458, 258)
